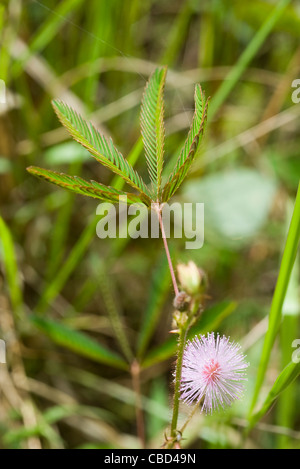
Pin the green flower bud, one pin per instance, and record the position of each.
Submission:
(191, 278)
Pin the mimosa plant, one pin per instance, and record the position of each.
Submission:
(216, 382)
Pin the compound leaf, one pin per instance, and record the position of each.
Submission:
(152, 126)
(101, 148)
(191, 146)
(80, 186)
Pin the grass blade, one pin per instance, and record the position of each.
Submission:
(286, 266)
(54, 288)
(285, 416)
(78, 342)
(283, 381)
(109, 296)
(246, 57)
(47, 31)
(11, 268)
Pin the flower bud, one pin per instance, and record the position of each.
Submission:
(191, 279)
(179, 319)
(181, 301)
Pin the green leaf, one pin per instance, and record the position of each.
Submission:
(210, 320)
(275, 316)
(152, 126)
(249, 52)
(101, 148)
(284, 379)
(191, 146)
(55, 19)
(80, 186)
(78, 342)
(287, 402)
(8, 255)
(79, 249)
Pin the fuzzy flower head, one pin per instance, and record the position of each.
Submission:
(213, 369)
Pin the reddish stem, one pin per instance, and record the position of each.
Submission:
(176, 290)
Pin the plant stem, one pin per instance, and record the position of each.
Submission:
(163, 233)
(181, 344)
(183, 331)
(196, 407)
(140, 424)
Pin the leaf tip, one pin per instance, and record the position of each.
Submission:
(31, 169)
(55, 102)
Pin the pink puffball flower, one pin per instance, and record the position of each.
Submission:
(213, 369)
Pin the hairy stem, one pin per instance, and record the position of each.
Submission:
(183, 331)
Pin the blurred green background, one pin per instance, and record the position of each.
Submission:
(66, 384)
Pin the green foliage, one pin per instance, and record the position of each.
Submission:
(8, 256)
(152, 125)
(275, 316)
(95, 56)
(191, 146)
(283, 381)
(153, 134)
(79, 185)
(78, 342)
(101, 148)
(158, 291)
